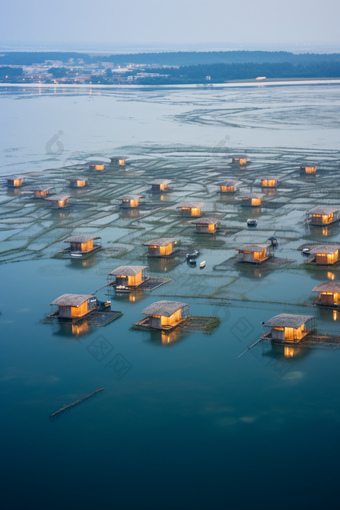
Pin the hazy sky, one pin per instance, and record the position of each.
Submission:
(170, 21)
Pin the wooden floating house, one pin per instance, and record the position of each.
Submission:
(269, 182)
(324, 255)
(253, 253)
(240, 159)
(97, 165)
(129, 276)
(72, 306)
(15, 181)
(41, 191)
(83, 244)
(165, 315)
(322, 216)
(251, 200)
(58, 201)
(229, 186)
(78, 182)
(118, 160)
(129, 201)
(190, 208)
(206, 225)
(161, 247)
(290, 328)
(308, 169)
(328, 293)
(159, 185)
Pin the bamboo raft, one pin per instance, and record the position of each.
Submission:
(79, 401)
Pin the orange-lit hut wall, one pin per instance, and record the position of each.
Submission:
(160, 250)
(61, 203)
(206, 229)
(329, 298)
(173, 319)
(227, 189)
(80, 184)
(190, 211)
(121, 162)
(159, 187)
(256, 201)
(268, 183)
(241, 161)
(16, 182)
(288, 334)
(130, 203)
(98, 167)
(309, 169)
(41, 194)
(322, 219)
(83, 247)
(330, 258)
(257, 256)
(73, 311)
(131, 281)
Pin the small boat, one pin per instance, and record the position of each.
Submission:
(192, 255)
(78, 255)
(202, 264)
(251, 223)
(306, 251)
(192, 262)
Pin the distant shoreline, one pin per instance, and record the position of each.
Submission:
(232, 84)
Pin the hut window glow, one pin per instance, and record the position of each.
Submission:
(160, 247)
(99, 167)
(290, 328)
(121, 162)
(256, 201)
(227, 189)
(268, 183)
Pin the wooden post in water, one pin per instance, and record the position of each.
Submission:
(79, 401)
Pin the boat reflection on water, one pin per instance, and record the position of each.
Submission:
(80, 263)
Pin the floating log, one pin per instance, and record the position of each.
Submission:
(79, 401)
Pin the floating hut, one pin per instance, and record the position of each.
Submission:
(74, 305)
(15, 181)
(321, 216)
(160, 247)
(58, 201)
(328, 293)
(118, 160)
(324, 255)
(41, 191)
(251, 200)
(78, 182)
(269, 182)
(228, 186)
(190, 208)
(308, 168)
(97, 165)
(240, 159)
(129, 201)
(253, 253)
(129, 276)
(165, 315)
(83, 244)
(160, 184)
(290, 328)
(206, 225)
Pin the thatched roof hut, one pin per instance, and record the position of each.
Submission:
(206, 225)
(160, 247)
(289, 327)
(165, 314)
(129, 276)
(78, 181)
(97, 165)
(72, 306)
(322, 216)
(325, 254)
(159, 184)
(328, 293)
(308, 168)
(251, 199)
(240, 159)
(15, 181)
(269, 181)
(254, 253)
(83, 243)
(118, 160)
(59, 201)
(41, 191)
(190, 208)
(228, 186)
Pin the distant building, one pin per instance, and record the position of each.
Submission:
(15, 181)
(129, 201)
(269, 182)
(290, 328)
(206, 225)
(190, 208)
(41, 191)
(78, 182)
(58, 201)
(254, 253)
(160, 247)
(208, 78)
(159, 184)
(83, 244)
(72, 306)
(118, 160)
(97, 165)
(251, 200)
(328, 294)
(322, 216)
(308, 168)
(240, 159)
(324, 255)
(165, 315)
(229, 186)
(130, 276)
(261, 78)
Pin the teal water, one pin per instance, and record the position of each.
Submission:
(188, 426)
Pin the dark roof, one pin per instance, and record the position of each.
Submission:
(128, 270)
(253, 247)
(165, 308)
(325, 249)
(15, 177)
(328, 286)
(323, 210)
(56, 198)
(269, 178)
(239, 156)
(160, 241)
(228, 183)
(78, 178)
(287, 320)
(118, 157)
(72, 299)
(97, 162)
(309, 165)
(129, 197)
(248, 196)
(205, 221)
(81, 238)
(160, 181)
(40, 188)
(190, 204)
